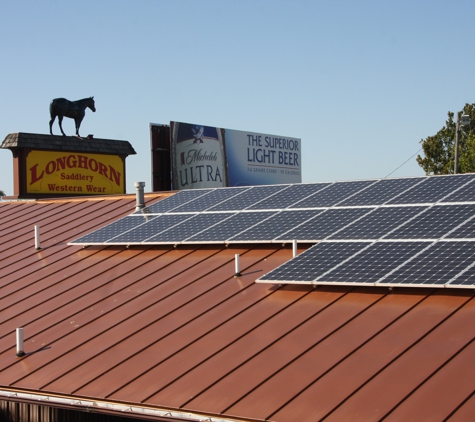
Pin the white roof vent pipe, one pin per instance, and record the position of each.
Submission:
(237, 265)
(20, 351)
(37, 238)
(140, 195)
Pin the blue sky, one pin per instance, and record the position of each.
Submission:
(360, 82)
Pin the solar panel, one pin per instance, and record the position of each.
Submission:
(149, 229)
(289, 196)
(247, 198)
(466, 277)
(381, 192)
(432, 189)
(203, 202)
(465, 231)
(465, 194)
(342, 206)
(378, 223)
(434, 223)
(112, 230)
(333, 194)
(416, 231)
(324, 224)
(230, 227)
(172, 202)
(436, 265)
(276, 225)
(393, 263)
(373, 263)
(314, 262)
(188, 228)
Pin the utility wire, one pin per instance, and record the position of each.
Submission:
(412, 156)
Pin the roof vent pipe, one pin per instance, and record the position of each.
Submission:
(37, 238)
(140, 195)
(294, 248)
(237, 265)
(19, 343)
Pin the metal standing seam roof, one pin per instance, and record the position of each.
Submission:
(172, 330)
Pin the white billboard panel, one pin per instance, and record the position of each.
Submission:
(198, 156)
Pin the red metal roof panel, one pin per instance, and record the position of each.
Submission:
(172, 328)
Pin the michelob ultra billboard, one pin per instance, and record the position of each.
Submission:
(204, 156)
(52, 172)
(198, 156)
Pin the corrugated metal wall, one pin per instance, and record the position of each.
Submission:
(25, 412)
(161, 161)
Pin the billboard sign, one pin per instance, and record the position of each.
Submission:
(262, 159)
(204, 156)
(198, 156)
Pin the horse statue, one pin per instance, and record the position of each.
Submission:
(74, 109)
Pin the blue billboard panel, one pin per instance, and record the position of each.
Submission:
(261, 159)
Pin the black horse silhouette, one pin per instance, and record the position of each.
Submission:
(74, 109)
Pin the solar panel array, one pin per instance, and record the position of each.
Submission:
(409, 231)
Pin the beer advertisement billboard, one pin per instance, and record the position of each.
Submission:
(261, 159)
(204, 157)
(198, 156)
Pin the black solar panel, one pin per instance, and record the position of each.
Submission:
(432, 189)
(392, 263)
(378, 223)
(276, 225)
(465, 231)
(465, 194)
(289, 196)
(324, 224)
(398, 232)
(343, 205)
(373, 263)
(114, 229)
(148, 229)
(247, 198)
(434, 223)
(333, 194)
(466, 277)
(381, 192)
(203, 202)
(172, 202)
(230, 227)
(188, 228)
(436, 265)
(315, 262)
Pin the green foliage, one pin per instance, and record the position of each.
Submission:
(2, 193)
(439, 150)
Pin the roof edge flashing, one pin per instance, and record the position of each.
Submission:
(107, 407)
